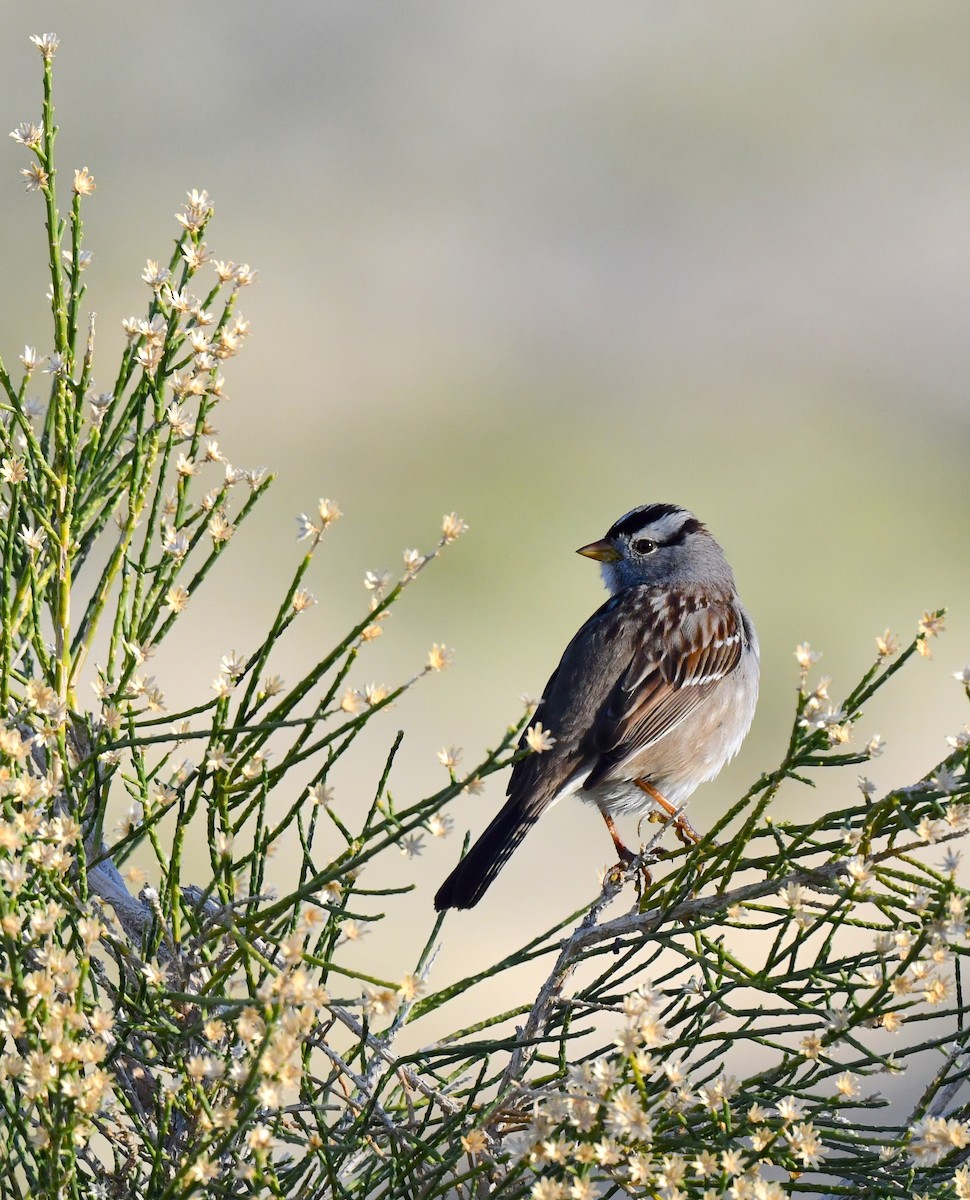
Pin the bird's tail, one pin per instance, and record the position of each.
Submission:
(476, 872)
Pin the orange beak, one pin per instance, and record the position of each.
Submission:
(602, 551)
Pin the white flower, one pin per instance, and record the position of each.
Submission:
(175, 543)
(156, 976)
(440, 825)
(931, 625)
(353, 931)
(99, 406)
(815, 718)
(259, 1138)
(858, 869)
(945, 781)
(449, 756)
(216, 759)
(305, 527)
(805, 1144)
(46, 43)
(380, 1002)
(36, 177)
(232, 664)
(195, 211)
(222, 685)
(220, 529)
(806, 656)
(56, 365)
(376, 581)
(440, 657)
(887, 644)
(154, 275)
(195, 254)
(836, 1020)
(452, 526)
(959, 741)
(27, 134)
(32, 538)
(329, 511)
(539, 740)
(412, 844)
(13, 470)
(793, 895)
(84, 259)
(321, 795)
(272, 686)
(790, 1108)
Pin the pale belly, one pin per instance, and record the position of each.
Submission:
(691, 754)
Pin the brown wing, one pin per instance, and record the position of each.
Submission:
(616, 692)
(701, 643)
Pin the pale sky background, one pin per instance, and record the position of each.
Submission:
(539, 263)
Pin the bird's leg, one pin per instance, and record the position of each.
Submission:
(626, 855)
(682, 827)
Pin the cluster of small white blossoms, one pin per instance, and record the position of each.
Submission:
(270, 1044)
(51, 1042)
(635, 1121)
(140, 694)
(933, 1138)
(232, 667)
(178, 322)
(249, 769)
(903, 978)
(382, 1003)
(262, 1050)
(32, 534)
(257, 1050)
(30, 135)
(328, 511)
(818, 711)
(926, 977)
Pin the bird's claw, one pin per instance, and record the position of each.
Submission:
(634, 866)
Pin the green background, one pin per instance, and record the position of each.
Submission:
(539, 263)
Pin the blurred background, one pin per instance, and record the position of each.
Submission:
(539, 263)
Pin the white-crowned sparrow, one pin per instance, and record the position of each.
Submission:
(653, 695)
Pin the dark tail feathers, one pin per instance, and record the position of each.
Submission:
(476, 872)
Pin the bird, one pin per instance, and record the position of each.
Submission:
(654, 694)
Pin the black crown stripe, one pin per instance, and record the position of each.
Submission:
(640, 518)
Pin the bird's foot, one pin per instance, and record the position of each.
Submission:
(684, 831)
(634, 867)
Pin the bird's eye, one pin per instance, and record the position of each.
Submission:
(644, 546)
